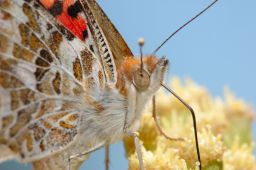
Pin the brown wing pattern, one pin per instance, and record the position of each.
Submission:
(44, 73)
(117, 44)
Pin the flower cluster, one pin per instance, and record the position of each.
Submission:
(224, 132)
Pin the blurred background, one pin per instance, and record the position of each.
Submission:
(217, 50)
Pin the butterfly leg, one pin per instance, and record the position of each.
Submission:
(75, 156)
(157, 124)
(135, 136)
(107, 160)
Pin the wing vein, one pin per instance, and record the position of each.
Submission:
(43, 42)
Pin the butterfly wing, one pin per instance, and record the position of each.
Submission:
(96, 30)
(118, 46)
(44, 71)
(110, 46)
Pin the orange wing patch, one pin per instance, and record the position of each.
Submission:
(67, 13)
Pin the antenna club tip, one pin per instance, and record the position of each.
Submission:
(141, 41)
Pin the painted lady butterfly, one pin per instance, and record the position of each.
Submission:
(69, 84)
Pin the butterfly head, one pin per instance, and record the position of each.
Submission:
(146, 77)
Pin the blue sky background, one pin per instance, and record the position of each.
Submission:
(217, 50)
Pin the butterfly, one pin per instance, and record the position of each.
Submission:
(69, 84)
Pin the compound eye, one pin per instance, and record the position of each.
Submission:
(141, 80)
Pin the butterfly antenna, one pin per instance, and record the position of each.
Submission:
(141, 43)
(184, 25)
(194, 122)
